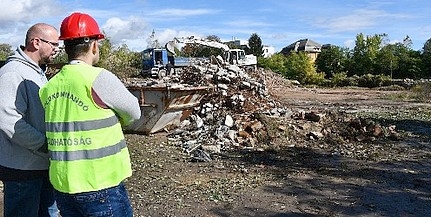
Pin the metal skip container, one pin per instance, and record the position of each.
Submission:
(164, 106)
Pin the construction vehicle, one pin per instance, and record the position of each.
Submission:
(155, 63)
(163, 106)
(230, 56)
(159, 62)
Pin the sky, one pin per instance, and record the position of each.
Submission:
(278, 23)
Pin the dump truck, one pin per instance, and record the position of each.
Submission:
(163, 106)
(155, 63)
(159, 62)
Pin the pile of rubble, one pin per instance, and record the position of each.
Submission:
(240, 113)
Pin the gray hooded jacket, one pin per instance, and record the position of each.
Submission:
(22, 127)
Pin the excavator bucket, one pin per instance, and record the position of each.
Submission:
(170, 46)
(164, 107)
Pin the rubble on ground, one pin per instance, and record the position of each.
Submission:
(240, 113)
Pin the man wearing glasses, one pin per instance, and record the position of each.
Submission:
(24, 157)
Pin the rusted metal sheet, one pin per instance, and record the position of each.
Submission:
(164, 107)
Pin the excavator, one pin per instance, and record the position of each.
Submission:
(159, 62)
(230, 56)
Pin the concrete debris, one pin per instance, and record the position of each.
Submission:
(239, 113)
(228, 121)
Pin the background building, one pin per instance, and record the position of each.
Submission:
(310, 47)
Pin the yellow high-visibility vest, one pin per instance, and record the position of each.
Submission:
(86, 143)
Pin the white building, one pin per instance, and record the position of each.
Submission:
(268, 51)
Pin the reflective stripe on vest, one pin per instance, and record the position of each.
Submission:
(81, 125)
(87, 154)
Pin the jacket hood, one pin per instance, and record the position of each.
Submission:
(20, 56)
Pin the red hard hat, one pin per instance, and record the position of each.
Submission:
(79, 25)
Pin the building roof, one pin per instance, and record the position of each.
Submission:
(306, 45)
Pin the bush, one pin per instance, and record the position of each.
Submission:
(421, 92)
(369, 80)
(339, 80)
(353, 80)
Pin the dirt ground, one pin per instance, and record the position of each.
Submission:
(299, 177)
(303, 177)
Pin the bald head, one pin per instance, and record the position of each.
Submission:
(39, 30)
(41, 43)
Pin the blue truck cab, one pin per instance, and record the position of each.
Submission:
(154, 62)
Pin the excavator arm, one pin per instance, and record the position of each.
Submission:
(232, 56)
(171, 45)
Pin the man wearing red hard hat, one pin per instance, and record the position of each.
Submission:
(89, 158)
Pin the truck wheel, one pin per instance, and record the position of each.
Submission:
(162, 73)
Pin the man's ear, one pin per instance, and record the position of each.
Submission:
(35, 43)
(94, 47)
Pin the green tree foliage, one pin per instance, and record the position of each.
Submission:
(105, 50)
(277, 63)
(332, 60)
(296, 66)
(189, 50)
(410, 65)
(388, 61)
(119, 60)
(5, 51)
(426, 58)
(369, 80)
(300, 67)
(372, 62)
(61, 57)
(365, 54)
(399, 60)
(255, 45)
(373, 55)
(339, 79)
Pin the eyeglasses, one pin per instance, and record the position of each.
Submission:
(53, 44)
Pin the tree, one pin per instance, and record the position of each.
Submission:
(119, 60)
(332, 60)
(61, 57)
(189, 50)
(399, 60)
(255, 45)
(365, 54)
(152, 41)
(300, 67)
(388, 61)
(5, 51)
(276, 63)
(410, 65)
(426, 58)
